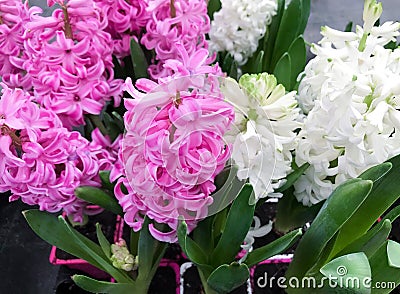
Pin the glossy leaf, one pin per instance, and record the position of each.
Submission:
(377, 172)
(385, 192)
(293, 177)
(138, 60)
(105, 180)
(393, 252)
(99, 197)
(283, 72)
(104, 244)
(236, 228)
(227, 278)
(298, 58)
(269, 41)
(212, 7)
(351, 266)
(94, 286)
(335, 212)
(305, 14)
(382, 272)
(189, 247)
(275, 247)
(258, 63)
(288, 31)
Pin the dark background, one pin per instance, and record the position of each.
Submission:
(24, 265)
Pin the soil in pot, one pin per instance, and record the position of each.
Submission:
(106, 219)
(192, 283)
(164, 281)
(262, 282)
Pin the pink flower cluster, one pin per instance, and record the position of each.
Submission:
(172, 151)
(69, 59)
(41, 162)
(126, 19)
(174, 22)
(13, 16)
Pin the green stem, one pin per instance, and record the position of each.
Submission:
(363, 42)
(204, 277)
(95, 119)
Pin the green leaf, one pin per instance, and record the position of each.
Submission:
(393, 252)
(233, 72)
(236, 228)
(352, 266)
(282, 71)
(227, 278)
(138, 60)
(288, 31)
(99, 197)
(269, 41)
(104, 244)
(189, 247)
(94, 286)
(258, 64)
(377, 172)
(384, 193)
(335, 212)
(382, 272)
(292, 214)
(134, 242)
(212, 7)
(305, 14)
(371, 241)
(203, 235)
(298, 57)
(105, 180)
(293, 177)
(275, 247)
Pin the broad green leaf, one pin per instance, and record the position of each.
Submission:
(48, 227)
(236, 228)
(377, 172)
(134, 242)
(384, 193)
(335, 212)
(393, 252)
(275, 247)
(189, 247)
(227, 62)
(212, 7)
(269, 40)
(95, 253)
(147, 251)
(287, 31)
(233, 73)
(305, 14)
(352, 266)
(292, 214)
(94, 286)
(382, 272)
(104, 244)
(138, 60)
(293, 177)
(203, 235)
(99, 197)
(371, 241)
(227, 278)
(258, 64)
(282, 71)
(298, 58)
(105, 180)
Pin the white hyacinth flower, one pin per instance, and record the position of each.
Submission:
(266, 118)
(239, 25)
(351, 93)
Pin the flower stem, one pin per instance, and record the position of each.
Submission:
(172, 8)
(67, 24)
(363, 42)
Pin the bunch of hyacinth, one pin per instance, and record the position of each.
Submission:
(351, 93)
(14, 14)
(266, 119)
(174, 22)
(41, 162)
(70, 61)
(126, 19)
(239, 25)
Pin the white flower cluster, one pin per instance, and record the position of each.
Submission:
(239, 25)
(351, 92)
(266, 118)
